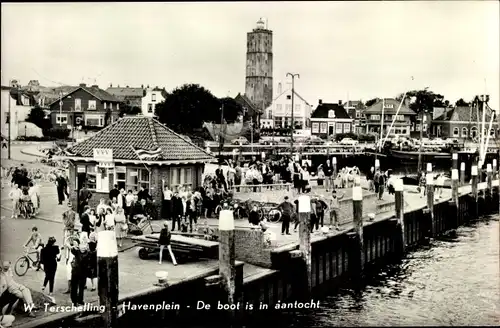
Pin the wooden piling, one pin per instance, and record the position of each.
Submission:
(496, 176)
(305, 244)
(430, 199)
(400, 214)
(454, 161)
(107, 274)
(357, 209)
(474, 182)
(462, 173)
(454, 197)
(489, 188)
(227, 255)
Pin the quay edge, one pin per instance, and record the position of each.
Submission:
(331, 266)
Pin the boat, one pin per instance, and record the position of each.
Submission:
(427, 156)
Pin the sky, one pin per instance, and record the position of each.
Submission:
(342, 50)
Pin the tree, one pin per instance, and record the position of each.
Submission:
(462, 103)
(371, 102)
(187, 107)
(37, 116)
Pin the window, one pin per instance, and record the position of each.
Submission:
(456, 132)
(78, 104)
(279, 107)
(331, 113)
(400, 118)
(278, 122)
(347, 127)
(297, 108)
(121, 177)
(464, 132)
(91, 177)
(270, 113)
(492, 132)
(288, 108)
(150, 108)
(338, 128)
(153, 97)
(92, 105)
(61, 118)
(111, 106)
(181, 176)
(94, 120)
(315, 127)
(117, 106)
(358, 114)
(137, 178)
(105, 105)
(389, 106)
(403, 131)
(374, 117)
(323, 127)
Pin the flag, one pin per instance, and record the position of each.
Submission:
(143, 153)
(69, 152)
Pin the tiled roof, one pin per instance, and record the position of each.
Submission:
(465, 114)
(144, 133)
(376, 108)
(95, 91)
(322, 111)
(126, 92)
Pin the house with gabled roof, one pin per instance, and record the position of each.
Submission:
(464, 123)
(88, 107)
(383, 112)
(280, 110)
(128, 95)
(135, 152)
(330, 119)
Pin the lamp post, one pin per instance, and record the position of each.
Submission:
(293, 95)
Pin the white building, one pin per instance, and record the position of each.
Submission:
(280, 110)
(149, 101)
(20, 107)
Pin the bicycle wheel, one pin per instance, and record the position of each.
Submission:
(151, 228)
(22, 265)
(274, 215)
(260, 211)
(134, 229)
(239, 213)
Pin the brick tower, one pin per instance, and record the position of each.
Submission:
(259, 72)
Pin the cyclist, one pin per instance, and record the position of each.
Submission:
(36, 243)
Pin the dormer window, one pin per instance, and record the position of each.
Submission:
(389, 106)
(331, 113)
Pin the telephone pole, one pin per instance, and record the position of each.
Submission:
(293, 123)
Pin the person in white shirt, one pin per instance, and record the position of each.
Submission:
(32, 192)
(439, 185)
(109, 221)
(183, 193)
(167, 201)
(15, 195)
(129, 199)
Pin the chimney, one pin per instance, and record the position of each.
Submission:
(142, 86)
(83, 85)
(320, 101)
(340, 102)
(111, 85)
(279, 88)
(147, 86)
(95, 86)
(127, 86)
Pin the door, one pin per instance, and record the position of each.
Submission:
(331, 129)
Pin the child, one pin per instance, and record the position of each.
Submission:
(253, 216)
(321, 176)
(164, 241)
(334, 209)
(37, 244)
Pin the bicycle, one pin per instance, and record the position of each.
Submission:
(145, 225)
(25, 209)
(25, 262)
(274, 215)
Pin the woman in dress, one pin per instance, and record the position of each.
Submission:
(49, 257)
(92, 264)
(92, 219)
(231, 173)
(109, 219)
(121, 226)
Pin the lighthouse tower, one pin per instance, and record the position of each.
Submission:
(259, 71)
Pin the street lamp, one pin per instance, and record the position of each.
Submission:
(293, 123)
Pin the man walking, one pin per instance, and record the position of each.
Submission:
(335, 209)
(286, 209)
(69, 217)
(83, 198)
(61, 186)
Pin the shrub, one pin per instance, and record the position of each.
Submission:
(57, 133)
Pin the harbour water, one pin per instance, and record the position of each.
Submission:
(450, 283)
